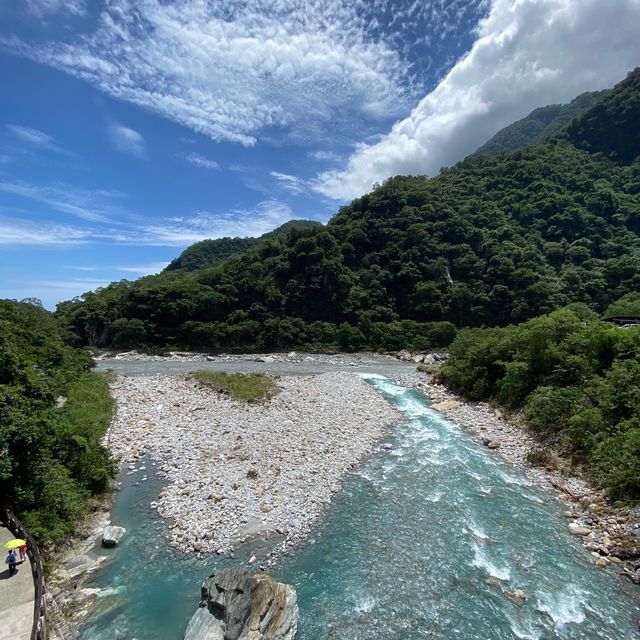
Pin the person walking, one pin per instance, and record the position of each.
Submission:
(12, 561)
(23, 552)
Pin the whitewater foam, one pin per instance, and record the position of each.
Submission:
(365, 605)
(477, 532)
(563, 608)
(481, 561)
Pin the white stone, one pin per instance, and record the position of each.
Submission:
(578, 530)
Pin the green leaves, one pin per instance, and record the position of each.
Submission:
(50, 457)
(578, 380)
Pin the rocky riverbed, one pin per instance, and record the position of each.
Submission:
(236, 470)
(611, 535)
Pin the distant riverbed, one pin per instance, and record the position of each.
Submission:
(292, 364)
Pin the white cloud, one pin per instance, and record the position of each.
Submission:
(143, 269)
(289, 183)
(325, 156)
(528, 53)
(34, 137)
(232, 69)
(111, 224)
(42, 8)
(49, 291)
(126, 140)
(76, 202)
(202, 161)
(15, 232)
(264, 217)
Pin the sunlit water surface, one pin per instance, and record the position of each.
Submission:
(406, 551)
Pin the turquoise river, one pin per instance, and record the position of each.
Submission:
(405, 551)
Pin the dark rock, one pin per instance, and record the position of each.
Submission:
(237, 604)
(626, 552)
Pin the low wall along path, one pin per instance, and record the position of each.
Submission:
(16, 597)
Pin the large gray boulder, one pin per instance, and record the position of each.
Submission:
(112, 535)
(239, 605)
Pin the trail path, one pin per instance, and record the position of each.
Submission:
(16, 597)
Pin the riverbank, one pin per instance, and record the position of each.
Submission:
(73, 564)
(611, 535)
(233, 470)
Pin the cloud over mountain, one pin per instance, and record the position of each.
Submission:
(527, 53)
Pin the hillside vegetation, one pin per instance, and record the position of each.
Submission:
(491, 241)
(541, 123)
(577, 380)
(51, 459)
(207, 253)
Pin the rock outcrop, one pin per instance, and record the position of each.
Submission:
(240, 605)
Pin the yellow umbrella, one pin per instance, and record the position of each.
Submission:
(14, 544)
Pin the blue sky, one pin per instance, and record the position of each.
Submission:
(130, 130)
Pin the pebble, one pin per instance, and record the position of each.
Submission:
(235, 470)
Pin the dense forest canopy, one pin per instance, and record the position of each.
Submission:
(541, 123)
(206, 253)
(578, 380)
(53, 414)
(493, 240)
(612, 126)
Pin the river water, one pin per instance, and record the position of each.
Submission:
(426, 540)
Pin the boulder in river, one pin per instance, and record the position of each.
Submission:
(518, 596)
(578, 530)
(112, 535)
(240, 605)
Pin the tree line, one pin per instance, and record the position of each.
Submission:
(53, 414)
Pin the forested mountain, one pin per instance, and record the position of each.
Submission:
(493, 240)
(209, 252)
(53, 414)
(541, 123)
(611, 126)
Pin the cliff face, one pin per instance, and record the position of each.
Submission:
(239, 605)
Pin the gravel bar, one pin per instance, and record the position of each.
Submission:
(236, 470)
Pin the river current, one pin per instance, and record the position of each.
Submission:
(426, 540)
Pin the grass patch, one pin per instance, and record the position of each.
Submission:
(250, 387)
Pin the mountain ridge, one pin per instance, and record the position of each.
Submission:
(541, 123)
(492, 240)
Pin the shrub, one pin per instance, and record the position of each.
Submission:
(541, 457)
(550, 409)
(616, 461)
